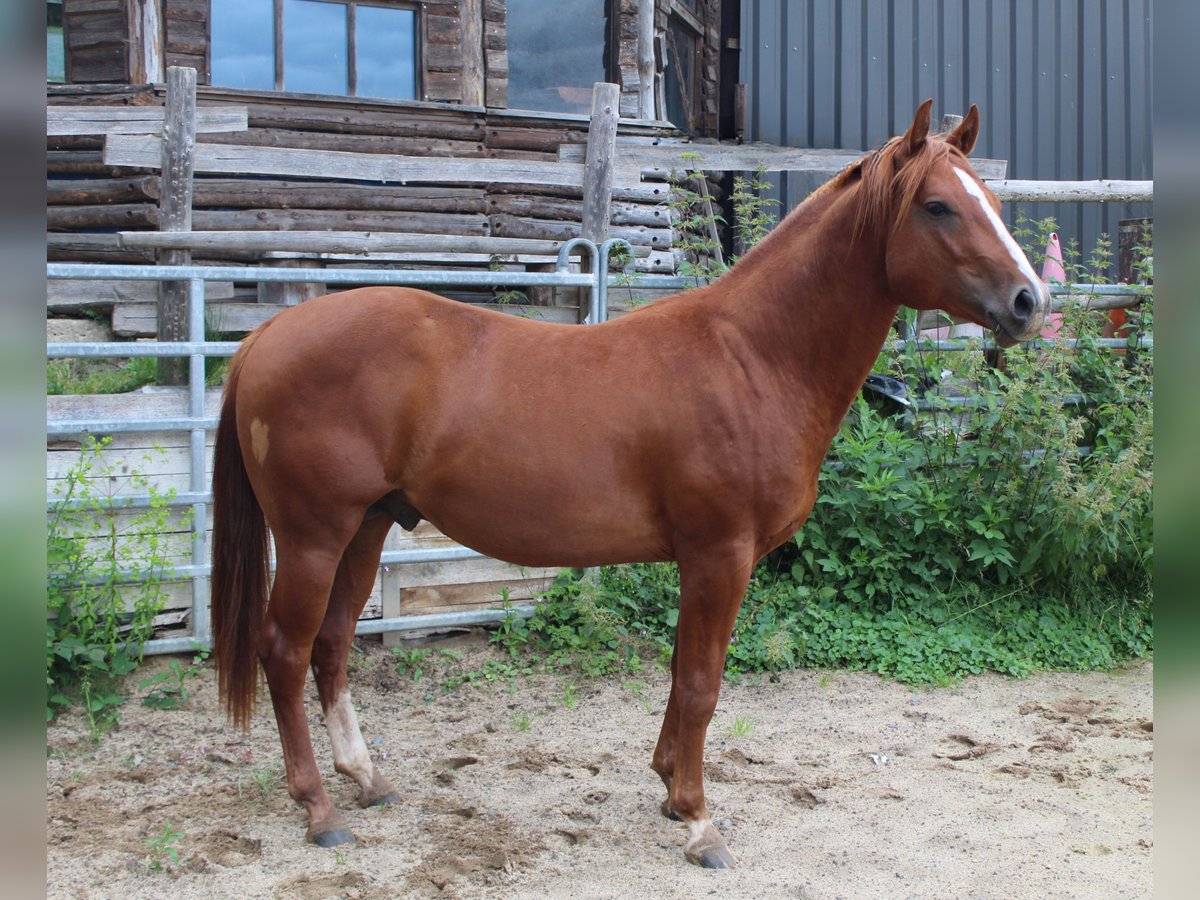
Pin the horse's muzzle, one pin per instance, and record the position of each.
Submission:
(1023, 319)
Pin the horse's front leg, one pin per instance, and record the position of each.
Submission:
(712, 584)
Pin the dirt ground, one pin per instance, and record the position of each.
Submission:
(826, 784)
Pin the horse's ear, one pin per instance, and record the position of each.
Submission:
(964, 136)
(914, 138)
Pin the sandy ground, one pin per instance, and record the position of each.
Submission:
(826, 784)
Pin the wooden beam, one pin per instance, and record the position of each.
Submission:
(144, 25)
(349, 242)
(1105, 191)
(645, 60)
(143, 152)
(83, 120)
(77, 295)
(659, 161)
(175, 211)
(470, 17)
(598, 168)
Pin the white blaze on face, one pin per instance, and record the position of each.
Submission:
(1014, 249)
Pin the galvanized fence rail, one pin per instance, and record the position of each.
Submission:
(594, 279)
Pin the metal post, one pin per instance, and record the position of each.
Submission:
(198, 472)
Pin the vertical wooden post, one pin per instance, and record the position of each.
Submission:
(645, 60)
(598, 162)
(175, 212)
(143, 19)
(470, 17)
(598, 167)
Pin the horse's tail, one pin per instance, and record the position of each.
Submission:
(241, 561)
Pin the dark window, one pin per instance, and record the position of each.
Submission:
(557, 51)
(339, 47)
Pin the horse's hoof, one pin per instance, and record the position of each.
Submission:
(386, 800)
(706, 848)
(670, 813)
(718, 857)
(334, 837)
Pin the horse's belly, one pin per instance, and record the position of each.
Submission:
(528, 528)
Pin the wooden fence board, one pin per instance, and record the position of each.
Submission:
(71, 295)
(140, 151)
(659, 161)
(68, 120)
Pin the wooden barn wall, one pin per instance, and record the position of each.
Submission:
(88, 201)
(185, 41)
(1064, 86)
(97, 36)
(95, 42)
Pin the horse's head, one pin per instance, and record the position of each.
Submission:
(947, 247)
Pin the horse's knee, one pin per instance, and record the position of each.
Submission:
(697, 700)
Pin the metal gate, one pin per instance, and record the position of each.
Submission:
(596, 281)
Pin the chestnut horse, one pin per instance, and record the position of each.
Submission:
(353, 411)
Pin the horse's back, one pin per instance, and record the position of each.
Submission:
(492, 426)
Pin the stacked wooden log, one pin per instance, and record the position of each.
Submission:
(90, 199)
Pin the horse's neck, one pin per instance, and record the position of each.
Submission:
(814, 305)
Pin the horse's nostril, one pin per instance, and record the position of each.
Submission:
(1024, 306)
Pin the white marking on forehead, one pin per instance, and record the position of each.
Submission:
(1014, 249)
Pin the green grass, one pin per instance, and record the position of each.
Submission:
(99, 376)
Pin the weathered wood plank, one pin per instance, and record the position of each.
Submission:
(598, 166)
(414, 222)
(177, 148)
(89, 191)
(149, 402)
(659, 161)
(112, 215)
(65, 296)
(69, 120)
(71, 247)
(470, 16)
(391, 145)
(1105, 191)
(343, 242)
(652, 215)
(275, 194)
(516, 227)
(141, 319)
(135, 150)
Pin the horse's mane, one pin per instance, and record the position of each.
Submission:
(886, 194)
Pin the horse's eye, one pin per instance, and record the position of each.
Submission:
(936, 208)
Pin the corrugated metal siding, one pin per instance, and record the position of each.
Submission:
(1063, 85)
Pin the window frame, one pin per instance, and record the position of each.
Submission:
(415, 6)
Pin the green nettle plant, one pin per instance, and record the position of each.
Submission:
(98, 616)
(695, 222)
(1003, 523)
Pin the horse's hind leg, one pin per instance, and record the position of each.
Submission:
(351, 588)
(299, 598)
(712, 584)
